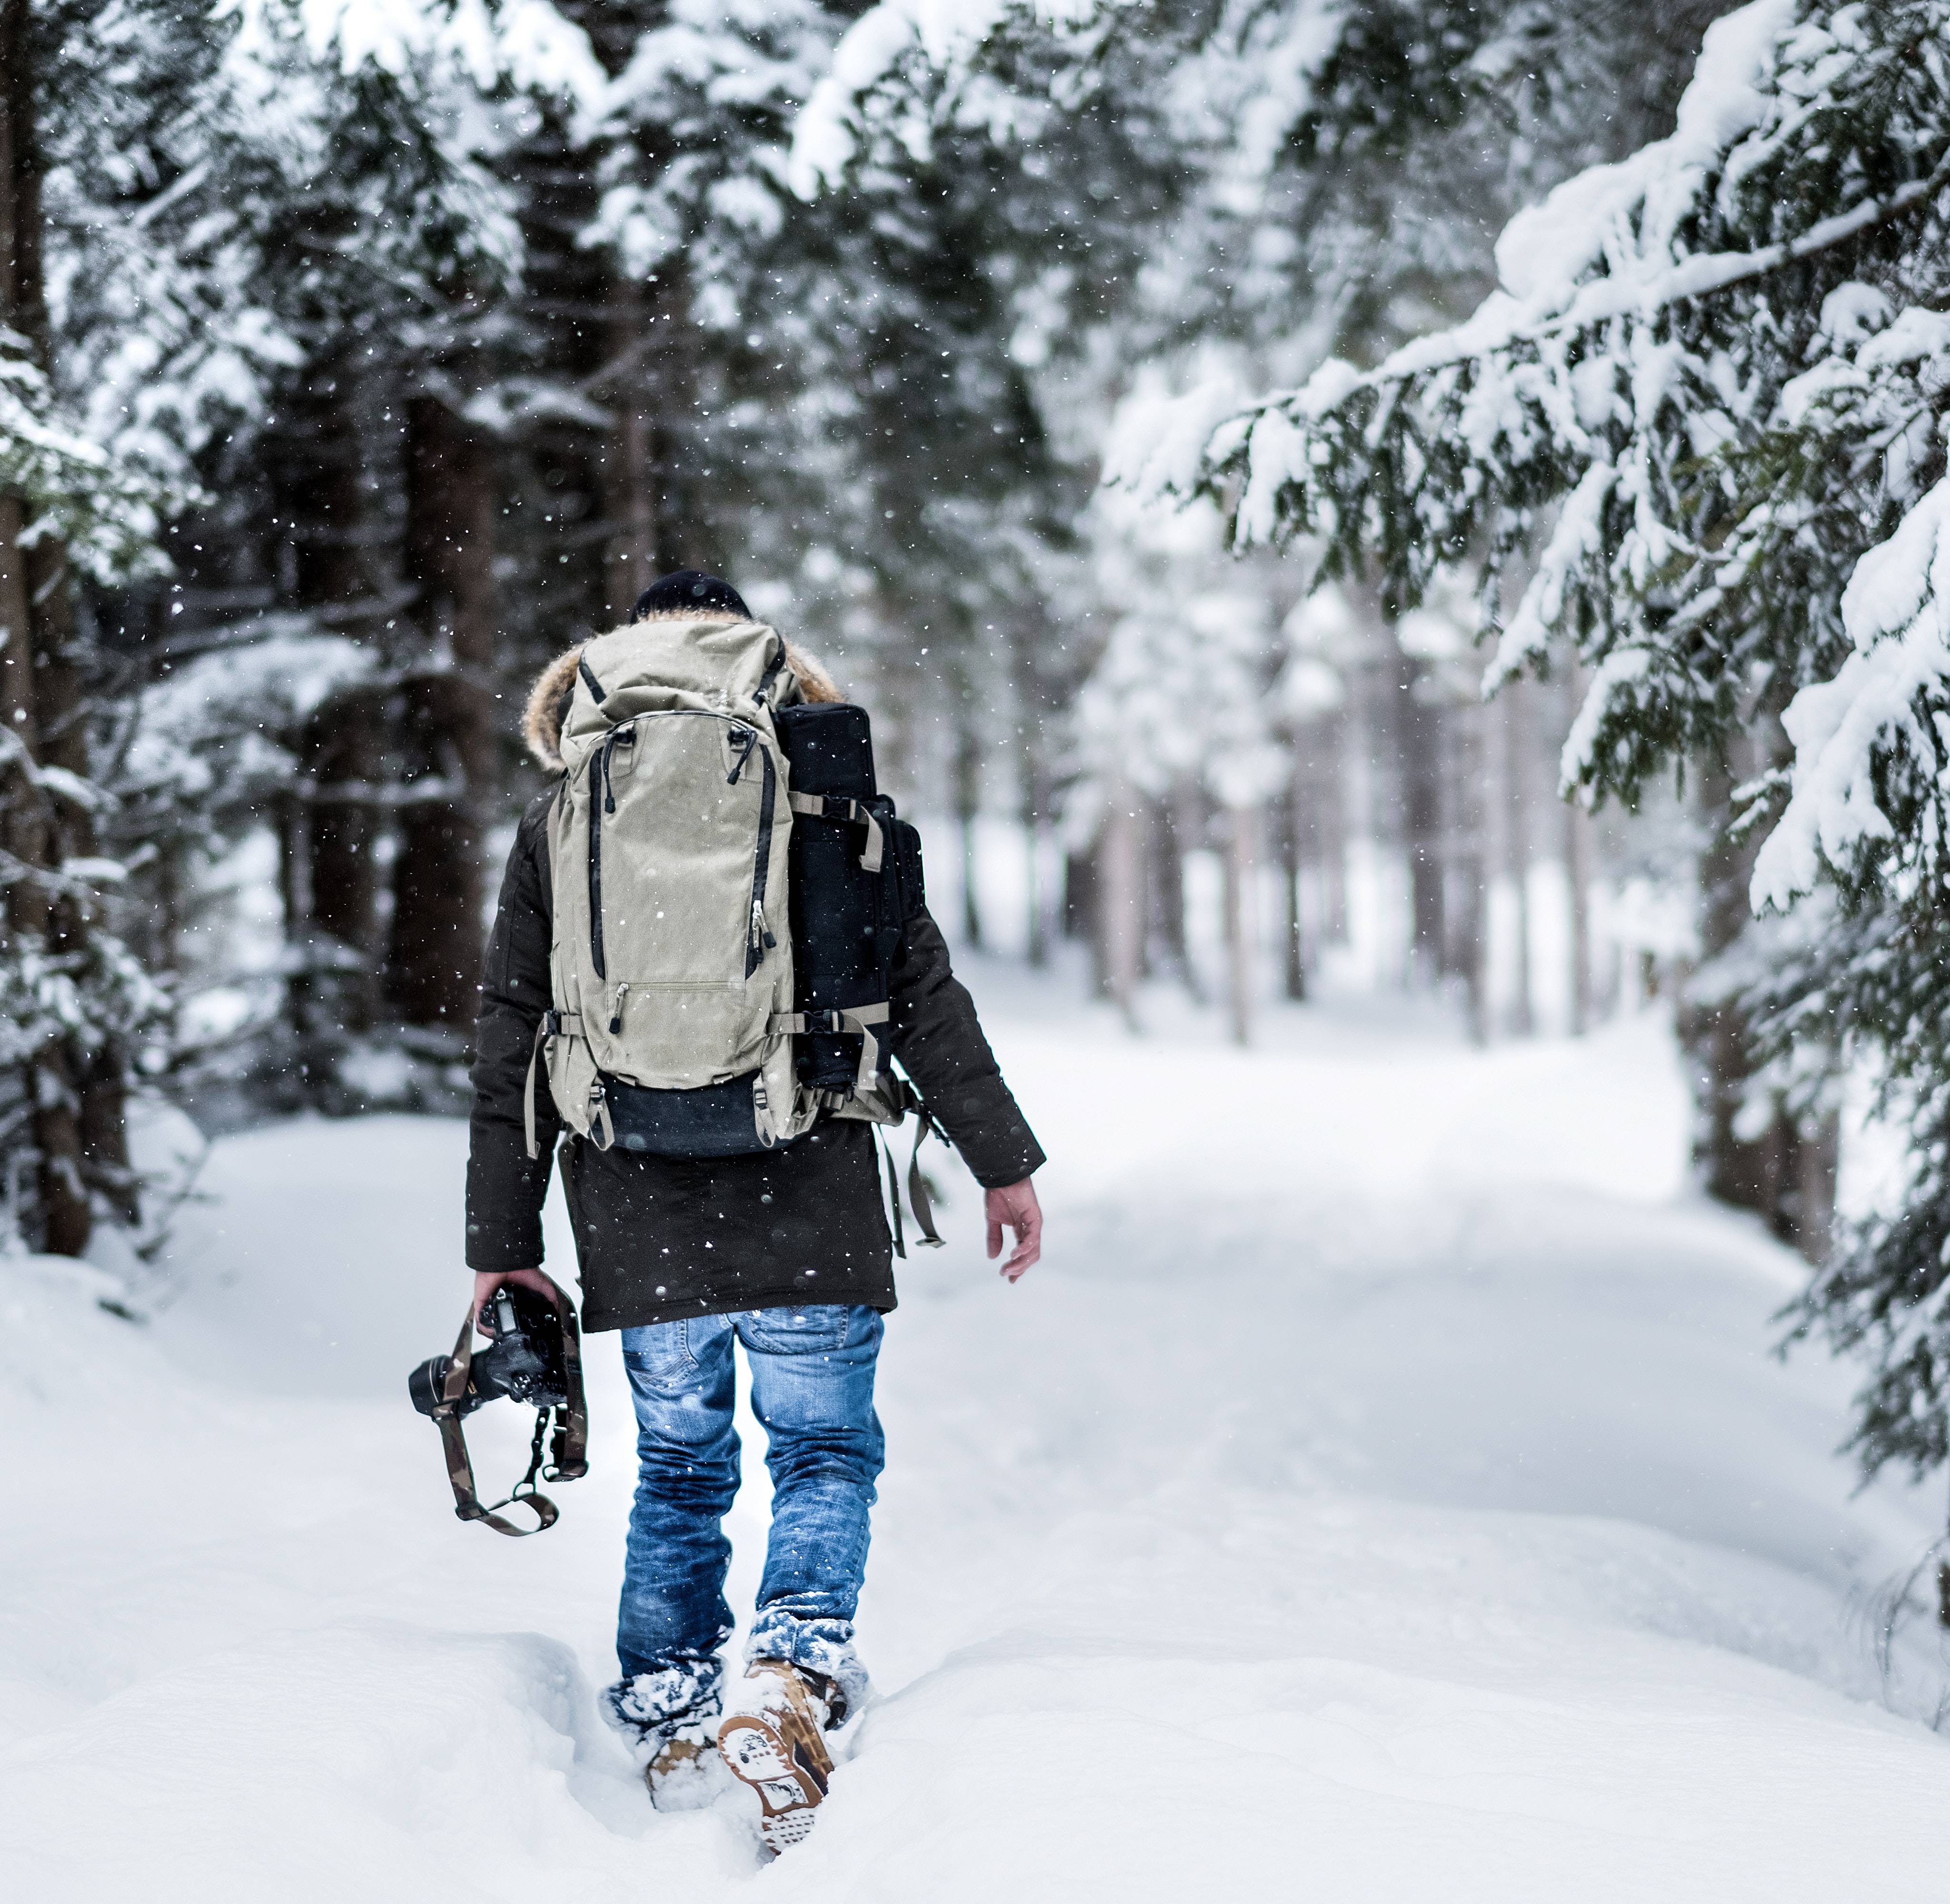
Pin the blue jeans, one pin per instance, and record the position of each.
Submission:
(812, 1387)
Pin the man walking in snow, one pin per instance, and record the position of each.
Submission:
(785, 1250)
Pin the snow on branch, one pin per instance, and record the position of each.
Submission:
(1684, 416)
(1889, 707)
(528, 43)
(106, 513)
(892, 65)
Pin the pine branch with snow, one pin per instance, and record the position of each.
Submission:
(106, 512)
(1702, 419)
(1607, 410)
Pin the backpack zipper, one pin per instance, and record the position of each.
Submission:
(603, 772)
(616, 1013)
(760, 941)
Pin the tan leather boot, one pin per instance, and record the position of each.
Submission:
(681, 1774)
(770, 1738)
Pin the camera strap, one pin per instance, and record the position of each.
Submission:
(568, 1457)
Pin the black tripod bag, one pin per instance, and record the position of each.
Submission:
(847, 918)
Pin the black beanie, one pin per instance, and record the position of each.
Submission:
(689, 588)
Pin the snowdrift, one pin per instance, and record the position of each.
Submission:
(1384, 1490)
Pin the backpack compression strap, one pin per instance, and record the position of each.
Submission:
(918, 1196)
(828, 805)
(569, 1454)
(550, 1025)
(855, 1017)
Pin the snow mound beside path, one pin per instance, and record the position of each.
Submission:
(1384, 1491)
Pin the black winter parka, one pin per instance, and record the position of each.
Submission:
(659, 1238)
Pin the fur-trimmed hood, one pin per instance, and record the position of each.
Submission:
(548, 699)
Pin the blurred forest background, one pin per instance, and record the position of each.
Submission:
(361, 354)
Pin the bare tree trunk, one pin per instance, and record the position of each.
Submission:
(1083, 909)
(1469, 730)
(1121, 917)
(1328, 779)
(1517, 780)
(24, 813)
(684, 531)
(967, 810)
(1418, 728)
(343, 751)
(26, 830)
(96, 1077)
(1293, 936)
(1175, 824)
(1241, 856)
(40, 697)
(434, 950)
(1371, 807)
(434, 957)
(342, 747)
(1492, 801)
(1033, 782)
(1035, 836)
(1784, 1171)
(1578, 856)
(1460, 838)
(627, 472)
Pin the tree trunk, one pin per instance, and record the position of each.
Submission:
(1121, 916)
(1578, 856)
(343, 751)
(1417, 729)
(1083, 909)
(26, 821)
(628, 502)
(1781, 1170)
(434, 954)
(1242, 933)
(1293, 937)
(1176, 823)
(1036, 940)
(1517, 780)
(1470, 730)
(967, 809)
(433, 950)
(95, 1079)
(40, 698)
(1033, 766)
(23, 810)
(1327, 778)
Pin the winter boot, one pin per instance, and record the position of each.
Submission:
(683, 1773)
(669, 1718)
(771, 1739)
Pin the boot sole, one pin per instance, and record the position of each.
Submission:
(789, 1780)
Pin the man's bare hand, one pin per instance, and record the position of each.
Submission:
(486, 1282)
(1017, 1207)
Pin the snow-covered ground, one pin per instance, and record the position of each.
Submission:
(1384, 1490)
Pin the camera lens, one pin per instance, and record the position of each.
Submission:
(425, 1383)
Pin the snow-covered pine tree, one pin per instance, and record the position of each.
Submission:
(1318, 179)
(279, 268)
(1700, 423)
(71, 514)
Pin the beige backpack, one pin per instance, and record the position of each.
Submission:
(671, 1027)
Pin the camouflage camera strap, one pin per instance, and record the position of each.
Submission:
(568, 1456)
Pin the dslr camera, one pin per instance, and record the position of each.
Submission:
(524, 1362)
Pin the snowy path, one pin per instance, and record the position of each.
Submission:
(1382, 1492)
